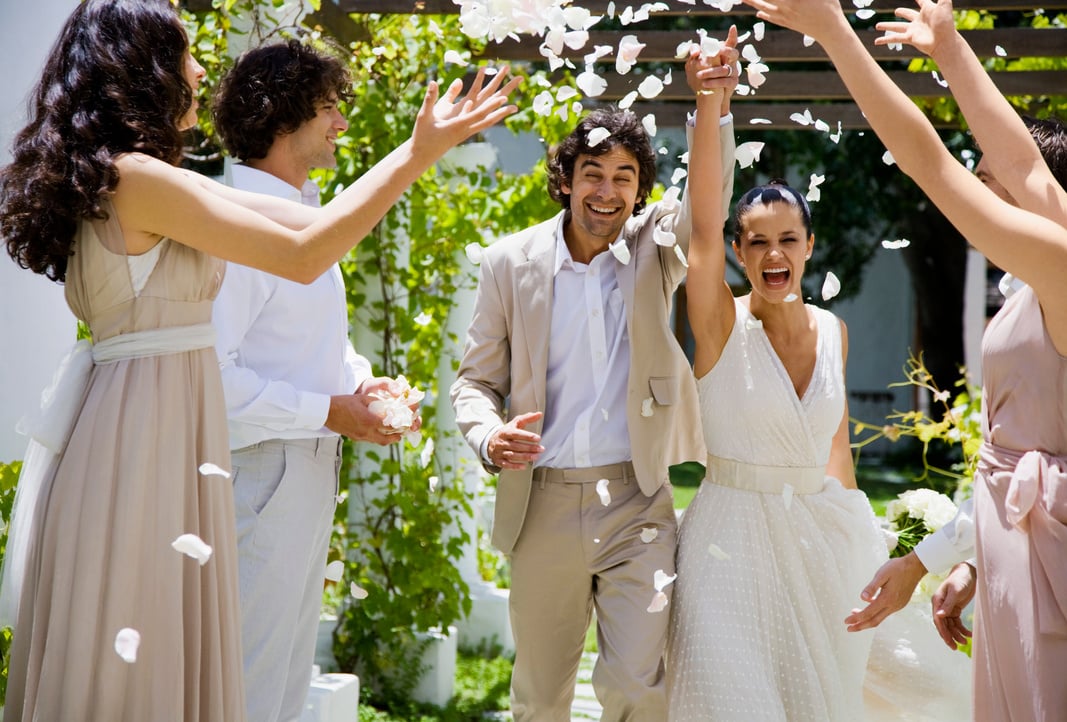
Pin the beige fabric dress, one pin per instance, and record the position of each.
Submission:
(1020, 640)
(125, 488)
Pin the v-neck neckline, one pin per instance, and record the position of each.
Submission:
(801, 398)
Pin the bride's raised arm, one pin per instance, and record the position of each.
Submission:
(708, 298)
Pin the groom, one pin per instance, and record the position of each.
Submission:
(574, 389)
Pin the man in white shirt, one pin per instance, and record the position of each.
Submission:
(572, 328)
(292, 380)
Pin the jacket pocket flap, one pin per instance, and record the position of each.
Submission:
(664, 389)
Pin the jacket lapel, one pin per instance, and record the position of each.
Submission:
(534, 288)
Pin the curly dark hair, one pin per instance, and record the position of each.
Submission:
(272, 90)
(113, 84)
(1050, 134)
(626, 132)
(776, 191)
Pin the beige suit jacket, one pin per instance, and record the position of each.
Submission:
(504, 368)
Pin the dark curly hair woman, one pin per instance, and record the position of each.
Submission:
(120, 576)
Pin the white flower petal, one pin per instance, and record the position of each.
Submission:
(663, 238)
(717, 552)
(433, 481)
(542, 103)
(649, 534)
(678, 175)
(209, 469)
(357, 591)
(596, 540)
(126, 643)
(620, 250)
(831, 286)
(661, 579)
(938, 79)
(1000, 51)
(748, 153)
(791, 298)
(836, 137)
(865, 14)
(808, 41)
(888, 158)
(456, 58)
(822, 126)
(802, 118)
(602, 491)
(758, 30)
(565, 93)
(426, 455)
(787, 495)
(681, 256)
(422, 319)
(658, 604)
(650, 87)
(759, 121)
(670, 198)
(750, 54)
(628, 100)
(814, 194)
(646, 407)
(591, 84)
(193, 546)
(335, 570)
(649, 122)
(596, 135)
(897, 244)
(756, 74)
(474, 252)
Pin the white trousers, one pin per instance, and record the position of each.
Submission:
(284, 493)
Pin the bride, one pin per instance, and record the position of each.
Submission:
(778, 538)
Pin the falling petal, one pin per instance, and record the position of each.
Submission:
(681, 256)
(456, 58)
(620, 250)
(787, 495)
(422, 319)
(579, 18)
(808, 41)
(802, 118)
(897, 244)
(661, 579)
(649, 122)
(565, 93)
(822, 126)
(542, 103)
(433, 482)
(628, 100)
(426, 455)
(888, 158)
(663, 238)
(758, 30)
(682, 52)
(865, 14)
(938, 79)
(596, 540)
(602, 491)
(759, 121)
(209, 469)
(357, 591)
(659, 603)
(646, 407)
(717, 552)
(335, 570)
(576, 39)
(750, 54)
(753, 323)
(591, 84)
(629, 49)
(748, 153)
(678, 175)
(596, 135)
(650, 87)
(193, 546)
(126, 643)
(1000, 51)
(670, 198)
(836, 137)
(709, 46)
(756, 73)
(662, 151)
(649, 534)
(831, 286)
(791, 298)
(814, 194)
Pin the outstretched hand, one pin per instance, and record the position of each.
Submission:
(889, 591)
(925, 29)
(444, 122)
(949, 601)
(812, 17)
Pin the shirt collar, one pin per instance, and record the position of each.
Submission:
(252, 179)
(563, 253)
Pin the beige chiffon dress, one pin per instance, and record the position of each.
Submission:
(127, 485)
(1020, 492)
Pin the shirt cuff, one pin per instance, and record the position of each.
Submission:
(937, 553)
(726, 119)
(314, 408)
(691, 119)
(484, 450)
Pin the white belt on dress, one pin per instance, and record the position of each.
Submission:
(765, 479)
(50, 426)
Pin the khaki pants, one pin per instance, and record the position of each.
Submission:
(576, 554)
(284, 495)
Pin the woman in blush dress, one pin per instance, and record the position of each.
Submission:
(122, 485)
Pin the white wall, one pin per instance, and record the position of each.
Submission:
(36, 327)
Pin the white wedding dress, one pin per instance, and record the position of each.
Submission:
(772, 554)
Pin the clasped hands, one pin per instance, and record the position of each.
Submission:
(350, 414)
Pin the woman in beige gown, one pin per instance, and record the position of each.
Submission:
(1018, 219)
(112, 621)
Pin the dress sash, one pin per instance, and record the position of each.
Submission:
(765, 479)
(1035, 503)
(50, 427)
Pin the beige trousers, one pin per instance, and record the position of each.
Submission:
(575, 554)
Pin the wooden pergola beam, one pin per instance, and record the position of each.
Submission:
(676, 7)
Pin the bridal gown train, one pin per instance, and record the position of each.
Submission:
(772, 553)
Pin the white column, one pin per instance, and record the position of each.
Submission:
(974, 314)
(35, 324)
